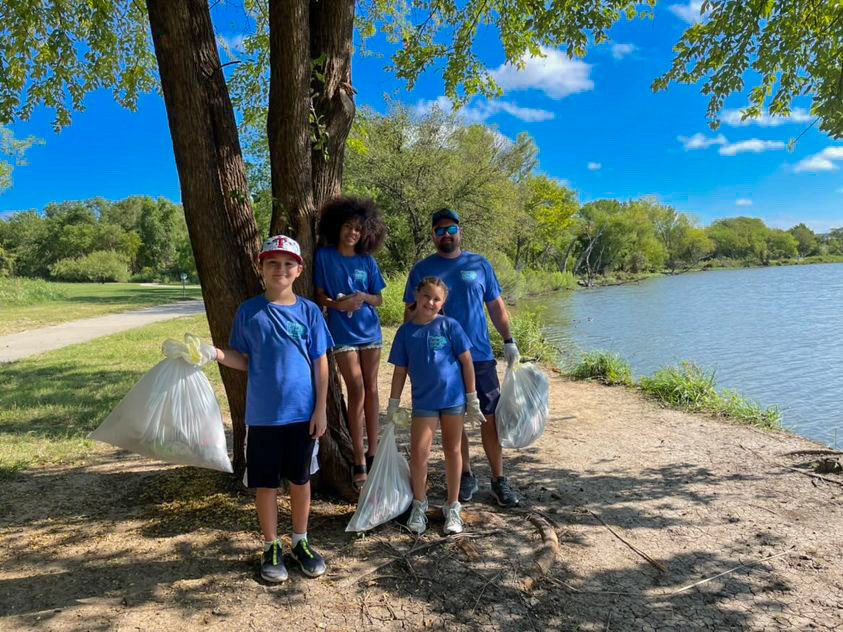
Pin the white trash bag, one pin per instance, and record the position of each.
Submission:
(172, 414)
(522, 410)
(387, 492)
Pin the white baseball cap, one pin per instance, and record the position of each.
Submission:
(281, 243)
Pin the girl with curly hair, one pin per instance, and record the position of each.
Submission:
(348, 284)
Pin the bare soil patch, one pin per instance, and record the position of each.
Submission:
(127, 544)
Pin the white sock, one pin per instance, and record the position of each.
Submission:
(268, 545)
(298, 537)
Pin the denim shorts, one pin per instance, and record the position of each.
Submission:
(368, 345)
(453, 410)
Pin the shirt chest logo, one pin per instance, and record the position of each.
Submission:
(437, 342)
(295, 330)
(360, 275)
(469, 276)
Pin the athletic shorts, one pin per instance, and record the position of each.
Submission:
(488, 385)
(452, 411)
(347, 348)
(277, 453)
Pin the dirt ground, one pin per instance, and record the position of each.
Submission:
(123, 543)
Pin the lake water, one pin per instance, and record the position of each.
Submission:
(773, 334)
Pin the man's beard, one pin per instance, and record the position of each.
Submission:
(447, 246)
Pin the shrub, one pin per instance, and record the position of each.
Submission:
(602, 366)
(392, 309)
(528, 332)
(513, 285)
(16, 291)
(98, 267)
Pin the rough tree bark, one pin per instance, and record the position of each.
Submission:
(307, 123)
(214, 192)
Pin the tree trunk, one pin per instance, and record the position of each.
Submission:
(214, 191)
(308, 121)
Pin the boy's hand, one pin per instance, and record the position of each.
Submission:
(391, 410)
(472, 409)
(318, 424)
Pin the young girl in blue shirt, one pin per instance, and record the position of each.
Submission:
(348, 283)
(434, 350)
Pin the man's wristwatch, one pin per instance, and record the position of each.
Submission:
(508, 341)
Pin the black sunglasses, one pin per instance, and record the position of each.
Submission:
(453, 229)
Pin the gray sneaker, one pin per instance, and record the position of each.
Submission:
(503, 493)
(468, 485)
(417, 523)
(272, 564)
(453, 520)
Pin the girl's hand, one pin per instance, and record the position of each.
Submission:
(354, 301)
(318, 424)
(472, 409)
(391, 410)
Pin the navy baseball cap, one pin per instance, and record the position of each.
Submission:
(445, 213)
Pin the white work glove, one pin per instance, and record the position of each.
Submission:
(392, 410)
(511, 354)
(472, 408)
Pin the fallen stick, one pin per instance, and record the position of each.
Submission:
(811, 474)
(547, 552)
(819, 452)
(482, 590)
(731, 570)
(661, 567)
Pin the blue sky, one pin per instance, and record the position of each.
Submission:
(596, 122)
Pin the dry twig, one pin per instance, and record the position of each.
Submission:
(731, 570)
(661, 567)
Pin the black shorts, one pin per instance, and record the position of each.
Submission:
(276, 453)
(488, 385)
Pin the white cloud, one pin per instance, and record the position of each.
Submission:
(840, 190)
(594, 166)
(797, 115)
(700, 141)
(482, 110)
(690, 13)
(822, 161)
(743, 202)
(554, 74)
(619, 51)
(233, 42)
(754, 145)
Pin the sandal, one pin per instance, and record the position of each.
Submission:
(370, 458)
(356, 470)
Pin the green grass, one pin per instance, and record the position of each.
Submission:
(31, 303)
(688, 387)
(52, 401)
(602, 366)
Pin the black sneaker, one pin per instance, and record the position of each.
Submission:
(468, 485)
(310, 561)
(503, 493)
(272, 564)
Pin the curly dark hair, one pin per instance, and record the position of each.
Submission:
(344, 209)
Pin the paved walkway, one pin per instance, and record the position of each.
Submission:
(27, 343)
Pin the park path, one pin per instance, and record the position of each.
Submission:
(28, 343)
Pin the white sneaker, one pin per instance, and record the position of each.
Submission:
(453, 521)
(417, 523)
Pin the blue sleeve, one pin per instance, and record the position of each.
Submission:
(319, 270)
(398, 353)
(376, 282)
(493, 288)
(237, 339)
(410, 288)
(459, 341)
(320, 338)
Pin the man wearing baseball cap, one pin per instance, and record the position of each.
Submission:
(472, 289)
(281, 340)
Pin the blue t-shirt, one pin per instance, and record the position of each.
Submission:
(281, 341)
(471, 284)
(337, 274)
(429, 352)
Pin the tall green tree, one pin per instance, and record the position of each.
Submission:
(806, 240)
(12, 154)
(786, 48)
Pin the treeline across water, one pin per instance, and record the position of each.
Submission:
(531, 226)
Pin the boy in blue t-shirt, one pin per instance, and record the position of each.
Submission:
(281, 340)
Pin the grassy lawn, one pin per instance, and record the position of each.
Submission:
(31, 303)
(51, 402)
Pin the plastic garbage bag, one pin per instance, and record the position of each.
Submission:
(387, 492)
(172, 414)
(522, 410)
